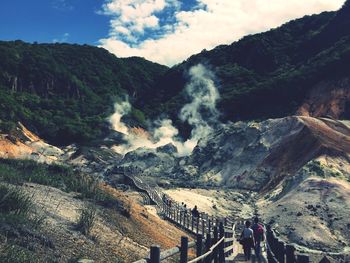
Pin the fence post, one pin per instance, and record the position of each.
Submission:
(183, 249)
(177, 214)
(192, 222)
(209, 225)
(181, 214)
(168, 210)
(215, 240)
(188, 217)
(281, 251)
(155, 254)
(303, 259)
(203, 225)
(221, 246)
(207, 248)
(269, 241)
(199, 246)
(197, 224)
(290, 254)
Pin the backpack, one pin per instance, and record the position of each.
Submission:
(258, 232)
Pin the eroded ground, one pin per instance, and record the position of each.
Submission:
(114, 237)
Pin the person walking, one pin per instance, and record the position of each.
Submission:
(195, 212)
(259, 237)
(247, 240)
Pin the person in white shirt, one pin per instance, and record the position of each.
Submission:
(247, 240)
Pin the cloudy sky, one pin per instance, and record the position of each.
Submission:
(164, 31)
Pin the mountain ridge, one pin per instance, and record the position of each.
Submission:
(269, 74)
(66, 92)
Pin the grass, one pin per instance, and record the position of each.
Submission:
(18, 209)
(62, 177)
(15, 254)
(14, 201)
(59, 176)
(324, 171)
(86, 219)
(21, 171)
(317, 168)
(18, 213)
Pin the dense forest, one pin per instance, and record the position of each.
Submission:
(269, 74)
(66, 92)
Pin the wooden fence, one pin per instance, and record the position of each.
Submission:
(280, 252)
(214, 236)
(209, 250)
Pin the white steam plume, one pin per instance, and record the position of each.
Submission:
(120, 109)
(200, 113)
(204, 96)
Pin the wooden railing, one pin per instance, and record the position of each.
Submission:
(214, 235)
(156, 255)
(280, 252)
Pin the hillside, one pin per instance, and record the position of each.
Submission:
(65, 92)
(41, 205)
(271, 74)
(264, 130)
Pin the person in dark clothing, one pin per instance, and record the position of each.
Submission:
(259, 236)
(195, 212)
(184, 210)
(247, 240)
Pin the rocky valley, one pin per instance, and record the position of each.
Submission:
(260, 127)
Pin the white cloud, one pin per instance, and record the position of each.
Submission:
(131, 17)
(217, 22)
(62, 39)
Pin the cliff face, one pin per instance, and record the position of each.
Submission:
(330, 99)
(299, 165)
(23, 144)
(260, 156)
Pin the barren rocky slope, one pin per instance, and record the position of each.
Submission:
(123, 229)
(298, 165)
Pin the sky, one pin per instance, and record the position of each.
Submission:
(164, 31)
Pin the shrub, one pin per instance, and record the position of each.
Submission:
(17, 254)
(58, 176)
(126, 211)
(17, 208)
(14, 201)
(316, 167)
(86, 219)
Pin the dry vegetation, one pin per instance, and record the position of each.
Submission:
(97, 222)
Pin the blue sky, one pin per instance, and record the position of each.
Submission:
(74, 21)
(164, 31)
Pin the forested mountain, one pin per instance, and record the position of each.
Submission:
(270, 74)
(65, 92)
